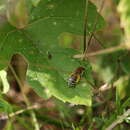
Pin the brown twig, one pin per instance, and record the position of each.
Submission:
(101, 52)
(94, 27)
(35, 106)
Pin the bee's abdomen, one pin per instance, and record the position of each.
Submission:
(72, 81)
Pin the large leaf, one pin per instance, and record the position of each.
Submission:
(51, 73)
(58, 87)
(50, 19)
(55, 19)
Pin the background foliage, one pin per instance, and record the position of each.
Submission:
(38, 42)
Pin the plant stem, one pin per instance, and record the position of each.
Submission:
(85, 23)
(25, 98)
(118, 120)
(94, 28)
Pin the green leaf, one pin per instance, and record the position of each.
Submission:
(126, 104)
(5, 106)
(5, 84)
(122, 87)
(49, 71)
(55, 79)
(127, 120)
(35, 2)
(2, 6)
(125, 64)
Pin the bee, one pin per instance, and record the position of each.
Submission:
(75, 77)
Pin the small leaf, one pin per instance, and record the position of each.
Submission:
(122, 87)
(5, 84)
(127, 120)
(35, 2)
(17, 13)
